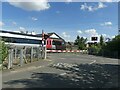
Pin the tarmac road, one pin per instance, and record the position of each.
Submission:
(68, 70)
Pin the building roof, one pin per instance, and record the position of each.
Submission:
(52, 35)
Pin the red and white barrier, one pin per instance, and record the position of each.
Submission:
(64, 51)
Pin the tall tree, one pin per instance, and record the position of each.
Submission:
(101, 40)
(77, 40)
(80, 42)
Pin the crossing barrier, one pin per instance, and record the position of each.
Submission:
(65, 51)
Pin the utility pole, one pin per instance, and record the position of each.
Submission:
(44, 53)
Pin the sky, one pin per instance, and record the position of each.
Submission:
(67, 19)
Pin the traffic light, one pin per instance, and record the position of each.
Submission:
(46, 36)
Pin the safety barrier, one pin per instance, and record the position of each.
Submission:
(65, 51)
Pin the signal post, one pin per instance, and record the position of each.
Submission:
(44, 49)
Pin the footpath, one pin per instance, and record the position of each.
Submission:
(27, 67)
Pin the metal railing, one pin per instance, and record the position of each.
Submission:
(20, 55)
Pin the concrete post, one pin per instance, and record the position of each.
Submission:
(11, 61)
(45, 53)
(15, 52)
(21, 57)
(24, 52)
(31, 54)
(38, 55)
(42, 53)
(9, 58)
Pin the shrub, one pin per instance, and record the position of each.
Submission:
(3, 51)
(94, 50)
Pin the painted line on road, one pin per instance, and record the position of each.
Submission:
(92, 62)
(62, 58)
(62, 74)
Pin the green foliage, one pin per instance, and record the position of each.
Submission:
(81, 43)
(101, 40)
(113, 45)
(3, 51)
(94, 49)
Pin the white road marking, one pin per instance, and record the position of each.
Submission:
(62, 74)
(62, 58)
(92, 62)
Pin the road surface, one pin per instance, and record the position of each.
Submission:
(66, 70)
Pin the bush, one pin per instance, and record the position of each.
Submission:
(94, 50)
(3, 51)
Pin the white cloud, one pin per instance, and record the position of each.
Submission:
(31, 6)
(104, 35)
(84, 6)
(87, 7)
(113, 36)
(101, 5)
(1, 24)
(14, 23)
(79, 31)
(34, 18)
(65, 35)
(68, 1)
(21, 28)
(106, 0)
(91, 32)
(106, 24)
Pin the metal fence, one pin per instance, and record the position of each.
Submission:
(18, 56)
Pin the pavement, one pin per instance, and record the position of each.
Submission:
(65, 70)
(27, 67)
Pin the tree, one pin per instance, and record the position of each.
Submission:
(81, 43)
(77, 40)
(101, 40)
(112, 47)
